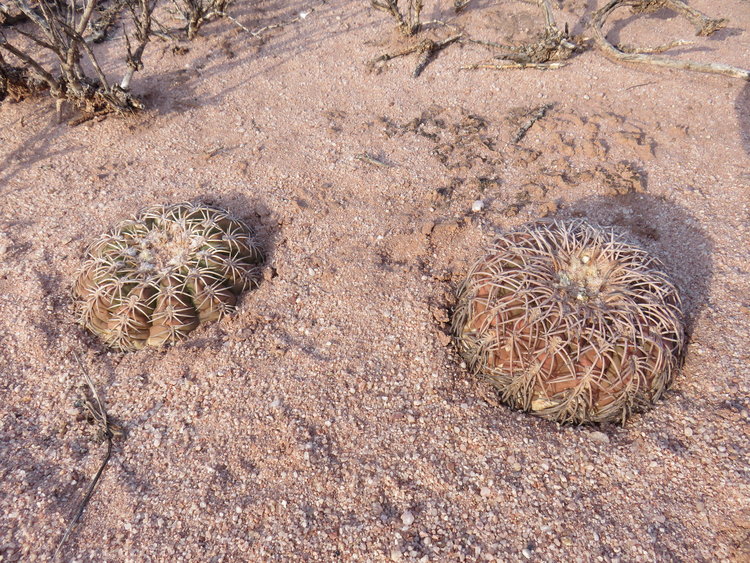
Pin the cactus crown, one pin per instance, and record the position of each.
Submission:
(571, 321)
(157, 276)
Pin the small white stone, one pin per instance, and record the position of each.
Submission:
(477, 206)
(407, 518)
(485, 492)
(600, 437)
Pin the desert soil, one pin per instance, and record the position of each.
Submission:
(330, 419)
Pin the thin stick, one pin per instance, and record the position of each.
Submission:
(512, 65)
(429, 49)
(364, 157)
(537, 114)
(48, 78)
(99, 414)
(653, 50)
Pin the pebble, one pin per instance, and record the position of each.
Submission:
(485, 492)
(477, 206)
(407, 518)
(688, 431)
(526, 553)
(600, 437)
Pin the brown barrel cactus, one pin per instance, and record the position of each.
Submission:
(157, 276)
(571, 322)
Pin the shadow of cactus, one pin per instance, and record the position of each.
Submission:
(571, 322)
(156, 277)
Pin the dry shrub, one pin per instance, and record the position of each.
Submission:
(198, 12)
(571, 322)
(50, 47)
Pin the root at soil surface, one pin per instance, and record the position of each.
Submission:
(705, 26)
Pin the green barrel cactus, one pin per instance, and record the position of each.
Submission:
(571, 322)
(157, 276)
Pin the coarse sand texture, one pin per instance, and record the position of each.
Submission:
(571, 322)
(157, 276)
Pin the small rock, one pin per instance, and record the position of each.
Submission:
(600, 437)
(407, 518)
(477, 206)
(526, 553)
(446, 229)
(443, 338)
(485, 492)
(688, 431)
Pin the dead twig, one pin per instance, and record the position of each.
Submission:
(369, 159)
(107, 17)
(408, 20)
(17, 83)
(427, 49)
(535, 116)
(459, 5)
(198, 12)
(654, 50)
(9, 17)
(704, 26)
(409, 24)
(107, 430)
(553, 46)
(512, 65)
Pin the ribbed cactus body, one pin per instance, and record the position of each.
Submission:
(157, 276)
(571, 322)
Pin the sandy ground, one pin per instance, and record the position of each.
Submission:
(329, 419)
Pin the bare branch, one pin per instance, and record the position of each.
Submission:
(141, 11)
(46, 76)
(704, 25)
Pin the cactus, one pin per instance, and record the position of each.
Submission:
(157, 276)
(571, 322)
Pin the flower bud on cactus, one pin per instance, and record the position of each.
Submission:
(571, 322)
(157, 276)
